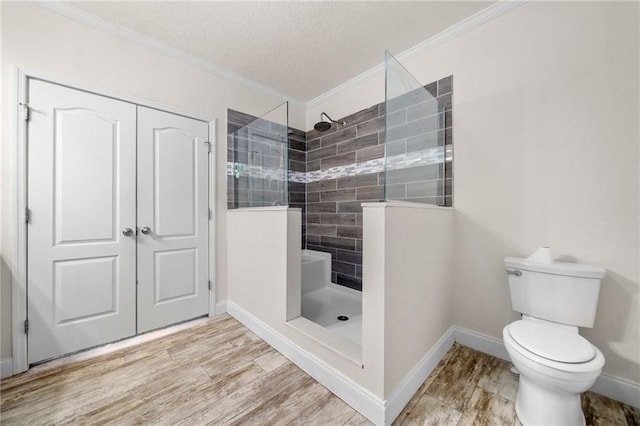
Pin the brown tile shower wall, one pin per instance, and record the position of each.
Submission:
(333, 219)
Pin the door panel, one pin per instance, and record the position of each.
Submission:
(81, 268)
(173, 205)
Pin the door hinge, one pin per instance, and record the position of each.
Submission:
(137, 282)
(27, 215)
(209, 214)
(26, 326)
(208, 146)
(209, 284)
(25, 111)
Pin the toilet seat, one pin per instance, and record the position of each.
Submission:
(594, 364)
(553, 343)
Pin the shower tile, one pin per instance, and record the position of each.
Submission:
(350, 256)
(413, 174)
(343, 268)
(432, 88)
(395, 148)
(313, 197)
(371, 126)
(296, 197)
(312, 144)
(358, 181)
(416, 127)
(318, 247)
(317, 229)
(359, 219)
(321, 207)
(328, 151)
(297, 166)
(349, 207)
(337, 137)
(339, 195)
(322, 185)
(359, 271)
(431, 188)
(370, 193)
(297, 187)
(347, 281)
(358, 143)
(350, 231)
(397, 118)
(313, 218)
(338, 160)
(370, 153)
(338, 219)
(338, 243)
(313, 166)
(359, 246)
(444, 101)
(361, 116)
(424, 109)
(314, 134)
(295, 155)
(423, 141)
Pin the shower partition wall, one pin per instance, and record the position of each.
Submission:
(417, 159)
(258, 161)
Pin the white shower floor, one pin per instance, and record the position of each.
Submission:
(323, 306)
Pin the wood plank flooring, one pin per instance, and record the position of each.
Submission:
(219, 372)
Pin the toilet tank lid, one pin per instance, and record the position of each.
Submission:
(551, 342)
(558, 268)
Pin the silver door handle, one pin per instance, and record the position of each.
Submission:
(515, 272)
(146, 230)
(127, 232)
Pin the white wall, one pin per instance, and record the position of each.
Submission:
(35, 38)
(546, 134)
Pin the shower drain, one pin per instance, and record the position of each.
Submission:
(343, 318)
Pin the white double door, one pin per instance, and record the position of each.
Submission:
(118, 220)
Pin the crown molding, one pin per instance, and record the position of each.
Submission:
(96, 22)
(456, 30)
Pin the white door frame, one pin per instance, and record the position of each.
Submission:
(19, 276)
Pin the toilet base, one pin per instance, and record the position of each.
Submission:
(536, 405)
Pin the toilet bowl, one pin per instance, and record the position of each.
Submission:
(555, 363)
(549, 389)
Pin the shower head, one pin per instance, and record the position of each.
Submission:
(323, 126)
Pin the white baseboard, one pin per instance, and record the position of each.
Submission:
(6, 367)
(353, 394)
(405, 390)
(609, 386)
(221, 307)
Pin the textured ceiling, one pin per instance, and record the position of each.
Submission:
(299, 48)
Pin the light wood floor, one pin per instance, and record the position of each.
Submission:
(219, 372)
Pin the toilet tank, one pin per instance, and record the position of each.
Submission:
(566, 293)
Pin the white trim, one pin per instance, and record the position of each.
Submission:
(127, 34)
(61, 81)
(410, 384)
(6, 367)
(353, 394)
(211, 182)
(19, 281)
(609, 386)
(481, 342)
(221, 307)
(456, 30)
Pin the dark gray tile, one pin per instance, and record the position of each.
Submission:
(312, 166)
(370, 193)
(371, 126)
(314, 134)
(321, 153)
(359, 219)
(343, 268)
(432, 88)
(370, 153)
(351, 282)
(448, 169)
(297, 155)
(445, 85)
(357, 181)
(321, 207)
(338, 243)
(349, 207)
(349, 256)
(358, 143)
(318, 247)
(348, 219)
(395, 148)
(313, 239)
(240, 118)
(339, 195)
(360, 116)
(311, 145)
(448, 187)
(444, 102)
(350, 231)
(337, 137)
(432, 188)
(424, 109)
(313, 197)
(321, 185)
(297, 187)
(296, 166)
(338, 160)
(396, 191)
(312, 218)
(448, 136)
(297, 133)
(423, 141)
(359, 245)
(413, 174)
(296, 197)
(413, 128)
(396, 118)
(317, 229)
(359, 271)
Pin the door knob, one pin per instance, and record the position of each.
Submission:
(127, 232)
(146, 230)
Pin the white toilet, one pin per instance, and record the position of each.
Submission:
(555, 363)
